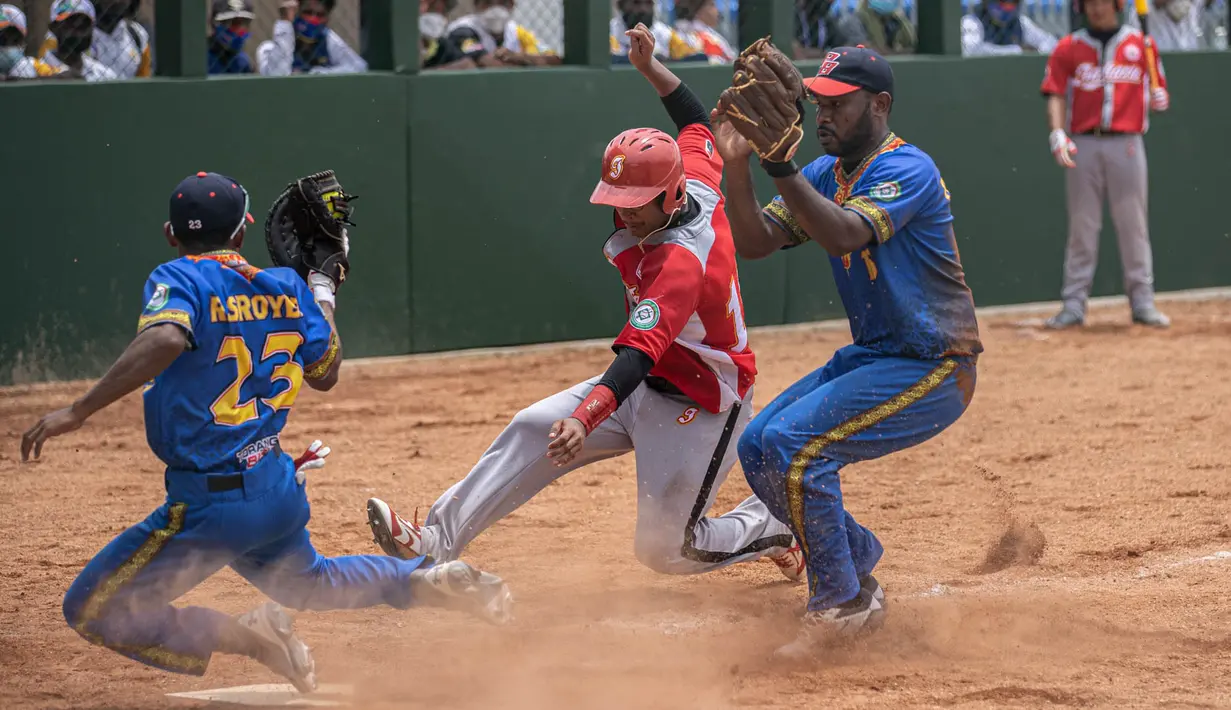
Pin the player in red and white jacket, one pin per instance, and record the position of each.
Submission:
(679, 390)
(1101, 85)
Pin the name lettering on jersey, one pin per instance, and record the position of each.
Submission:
(1088, 76)
(645, 315)
(688, 415)
(238, 309)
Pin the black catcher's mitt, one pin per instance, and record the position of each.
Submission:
(306, 227)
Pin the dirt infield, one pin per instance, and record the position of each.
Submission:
(1057, 547)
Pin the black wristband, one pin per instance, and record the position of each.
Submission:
(779, 170)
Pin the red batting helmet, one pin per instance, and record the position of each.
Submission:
(639, 165)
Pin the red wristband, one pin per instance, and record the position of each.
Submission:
(597, 406)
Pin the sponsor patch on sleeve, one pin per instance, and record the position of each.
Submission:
(158, 300)
(645, 315)
(886, 191)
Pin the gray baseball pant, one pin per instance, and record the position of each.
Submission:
(1112, 167)
(683, 456)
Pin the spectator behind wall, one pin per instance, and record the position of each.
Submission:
(697, 22)
(436, 49)
(998, 27)
(14, 64)
(231, 22)
(887, 26)
(669, 45)
(303, 43)
(1175, 25)
(816, 29)
(72, 29)
(119, 43)
(491, 38)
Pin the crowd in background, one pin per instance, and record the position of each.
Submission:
(108, 40)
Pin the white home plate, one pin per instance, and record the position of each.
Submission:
(271, 695)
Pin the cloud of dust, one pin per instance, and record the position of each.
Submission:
(1021, 543)
(707, 649)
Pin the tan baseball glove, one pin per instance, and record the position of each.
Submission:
(765, 101)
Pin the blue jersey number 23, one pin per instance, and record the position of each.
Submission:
(228, 410)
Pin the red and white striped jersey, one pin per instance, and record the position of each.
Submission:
(682, 290)
(1107, 87)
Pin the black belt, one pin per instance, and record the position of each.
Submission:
(1102, 132)
(227, 482)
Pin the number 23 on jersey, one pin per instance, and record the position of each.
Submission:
(228, 410)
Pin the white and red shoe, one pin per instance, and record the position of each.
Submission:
(397, 537)
(791, 563)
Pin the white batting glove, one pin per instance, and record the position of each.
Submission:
(1160, 100)
(314, 457)
(1063, 148)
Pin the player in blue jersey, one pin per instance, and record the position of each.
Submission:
(223, 348)
(878, 206)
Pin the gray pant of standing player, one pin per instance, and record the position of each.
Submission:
(677, 479)
(1112, 167)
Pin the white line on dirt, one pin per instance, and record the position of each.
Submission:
(1103, 302)
(1007, 586)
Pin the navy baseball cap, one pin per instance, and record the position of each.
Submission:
(848, 69)
(208, 207)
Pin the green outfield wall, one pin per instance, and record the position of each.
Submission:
(474, 225)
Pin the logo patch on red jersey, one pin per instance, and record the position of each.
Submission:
(617, 167)
(645, 315)
(1131, 52)
(709, 148)
(830, 63)
(688, 415)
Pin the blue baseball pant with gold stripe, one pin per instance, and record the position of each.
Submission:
(861, 405)
(122, 599)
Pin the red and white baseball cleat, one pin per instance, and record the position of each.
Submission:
(791, 563)
(397, 537)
